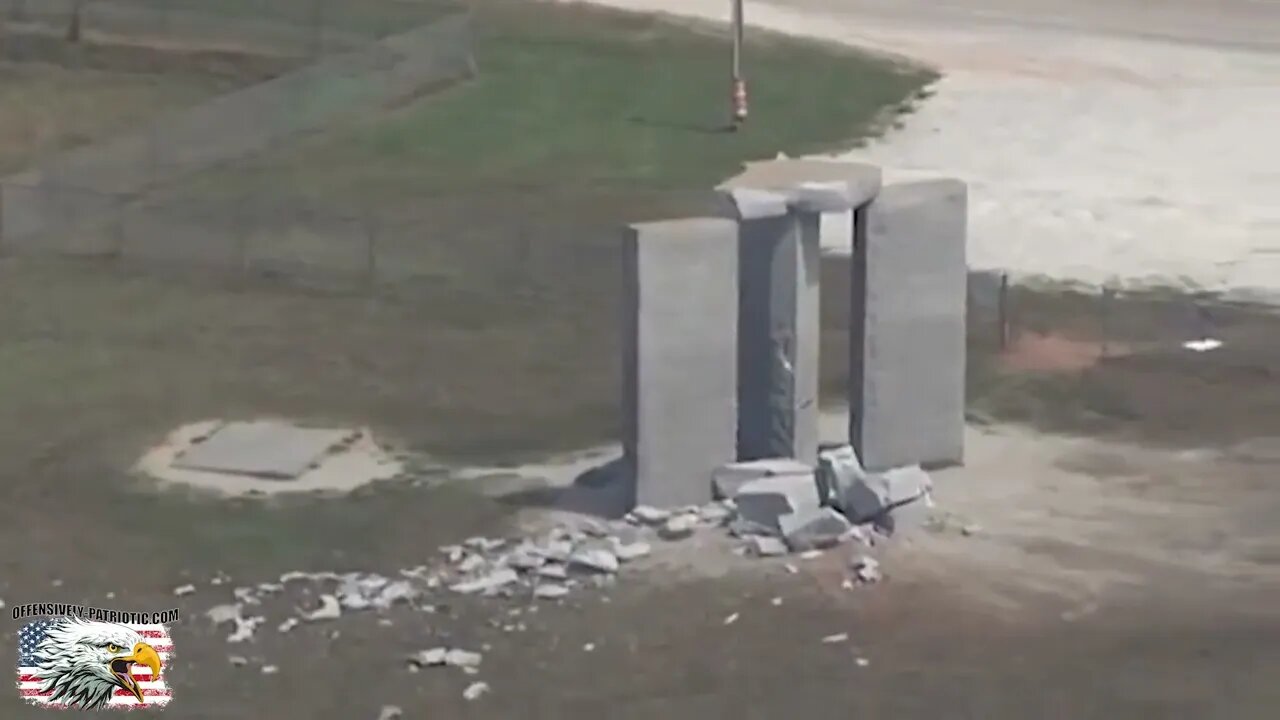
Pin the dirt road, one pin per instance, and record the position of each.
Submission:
(1119, 143)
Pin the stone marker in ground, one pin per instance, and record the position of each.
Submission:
(912, 515)
(766, 546)
(265, 449)
(728, 478)
(838, 468)
(765, 500)
(680, 300)
(873, 494)
(813, 528)
(907, 334)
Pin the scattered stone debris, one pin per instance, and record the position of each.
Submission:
(792, 569)
(731, 619)
(862, 662)
(595, 558)
(462, 658)
(816, 528)
(475, 690)
(626, 552)
(768, 499)
(647, 515)
(428, 658)
(835, 639)
(238, 660)
(679, 527)
(867, 569)
(288, 624)
(270, 669)
(589, 647)
(493, 581)
(330, 609)
(728, 479)
(766, 546)
(184, 590)
(776, 602)
(550, 591)
(245, 628)
(811, 555)
(390, 712)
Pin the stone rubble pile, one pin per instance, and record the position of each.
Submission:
(774, 508)
(786, 506)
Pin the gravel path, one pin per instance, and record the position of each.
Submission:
(1118, 143)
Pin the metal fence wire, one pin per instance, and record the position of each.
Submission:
(304, 65)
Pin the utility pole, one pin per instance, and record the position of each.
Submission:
(739, 82)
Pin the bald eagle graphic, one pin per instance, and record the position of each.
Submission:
(83, 663)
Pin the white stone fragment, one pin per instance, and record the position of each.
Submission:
(765, 546)
(731, 619)
(329, 609)
(390, 712)
(837, 638)
(678, 527)
(475, 690)
(487, 583)
(650, 515)
(597, 559)
(455, 657)
(550, 591)
(179, 591)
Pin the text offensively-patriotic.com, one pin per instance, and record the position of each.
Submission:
(161, 617)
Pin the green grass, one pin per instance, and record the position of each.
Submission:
(575, 100)
(504, 195)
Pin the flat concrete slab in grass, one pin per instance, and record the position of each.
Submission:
(264, 449)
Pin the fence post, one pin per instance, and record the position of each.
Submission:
(371, 250)
(1002, 312)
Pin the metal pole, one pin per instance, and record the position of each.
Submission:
(739, 82)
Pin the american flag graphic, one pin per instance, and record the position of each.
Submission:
(155, 692)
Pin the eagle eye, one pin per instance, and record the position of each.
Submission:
(113, 648)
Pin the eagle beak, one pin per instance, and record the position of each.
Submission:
(143, 654)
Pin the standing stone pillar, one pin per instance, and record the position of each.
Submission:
(778, 261)
(680, 306)
(907, 340)
(779, 207)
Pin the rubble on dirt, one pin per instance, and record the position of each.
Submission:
(784, 509)
(475, 690)
(816, 528)
(390, 712)
(836, 639)
(184, 590)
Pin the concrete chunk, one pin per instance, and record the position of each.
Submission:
(764, 501)
(908, 516)
(730, 477)
(765, 546)
(813, 529)
(838, 469)
(875, 493)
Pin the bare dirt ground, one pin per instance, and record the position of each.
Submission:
(1125, 565)
(1107, 143)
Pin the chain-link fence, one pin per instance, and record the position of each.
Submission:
(113, 196)
(290, 28)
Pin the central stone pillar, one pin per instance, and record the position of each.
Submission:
(778, 291)
(779, 207)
